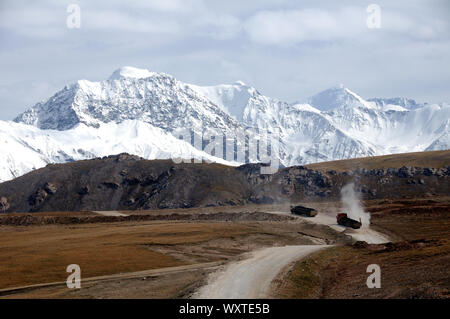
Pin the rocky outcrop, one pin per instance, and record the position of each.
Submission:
(4, 206)
(111, 185)
(126, 157)
(41, 194)
(83, 190)
(50, 188)
(38, 197)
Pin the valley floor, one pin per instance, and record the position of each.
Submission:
(174, 255)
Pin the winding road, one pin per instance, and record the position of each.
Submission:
(251, 277)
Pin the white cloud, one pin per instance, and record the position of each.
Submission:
(219, 26)
(111, 20)
(419, 27)
(169, 5)
(155, 17)
(290, 27)
(294, 26)
(33, 21)
(286, 48)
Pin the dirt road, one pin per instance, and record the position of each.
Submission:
(329, 219)
(251, 277)
(109, 213)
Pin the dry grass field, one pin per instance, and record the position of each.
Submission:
(40, 253)
(436, 159)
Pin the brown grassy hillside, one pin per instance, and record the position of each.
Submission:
(436, 159)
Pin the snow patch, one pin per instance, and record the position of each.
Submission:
(231, 98)
(131, 72)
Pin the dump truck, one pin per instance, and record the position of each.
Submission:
(304, 211)
(344, 220)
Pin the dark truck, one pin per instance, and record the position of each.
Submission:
(304, 211)
(343, 220)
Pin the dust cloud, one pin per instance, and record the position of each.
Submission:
(352, 205)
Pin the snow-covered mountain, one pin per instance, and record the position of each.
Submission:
(406, 103)
(143, 113)
(25, 147)
(129, 94)
(337, 97)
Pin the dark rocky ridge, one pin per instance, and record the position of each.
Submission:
(127, 182)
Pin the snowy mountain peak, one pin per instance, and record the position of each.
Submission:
(131, 72)
(332, 98)
(129, 94)
(337, 97)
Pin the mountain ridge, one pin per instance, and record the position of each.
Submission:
(129, 182)
(335, 124)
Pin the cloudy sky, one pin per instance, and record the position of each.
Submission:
(286, 49)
